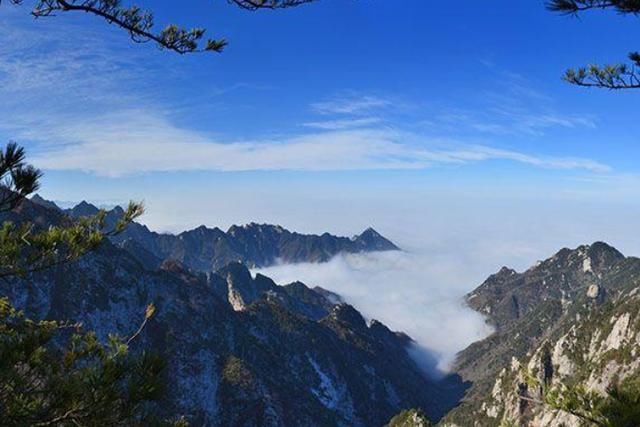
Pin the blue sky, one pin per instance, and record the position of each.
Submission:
(445, 125)
(347, 108)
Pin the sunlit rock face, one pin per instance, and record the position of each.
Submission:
(571, 319)
(239, 348)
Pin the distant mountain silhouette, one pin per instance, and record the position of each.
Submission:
(255, 245)
(240, 350)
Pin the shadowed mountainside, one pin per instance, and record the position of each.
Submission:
(571, 319)
(208, 249)
(240, 350)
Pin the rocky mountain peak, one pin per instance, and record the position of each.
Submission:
(345, 313)
(571, 319)
(370, 238)
(117, 210)
(603, 255)
(241, 288)
(236, 272)
(370, 231)
(296, 360)
(256, 245)
(595, 259)
(234, 229)
(84, 209)
(507, 295)
(505, 272)
(39, 200)
(298, 287)
(332, 297)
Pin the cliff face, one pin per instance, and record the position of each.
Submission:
(240, 350)
(571, 320)
(255, 245)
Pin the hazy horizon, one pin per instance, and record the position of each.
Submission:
(453, 141)
(447, 251)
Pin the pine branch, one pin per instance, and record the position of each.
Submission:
(619, 76)
(613, 76)
(137, 22)
(268, 4)
(140, 25)
(575, 6)
(148, 314)
(17, 179)
(23, 252)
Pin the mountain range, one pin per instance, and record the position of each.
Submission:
(207, 249)
(570, 320)
(244, 351)
(240, 349)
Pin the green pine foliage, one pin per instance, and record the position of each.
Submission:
(78, 381)
(26, 249)
(17, 178)
(53, 373)
(140, 26)
(619, 407)
(410, 418)
(611, 76)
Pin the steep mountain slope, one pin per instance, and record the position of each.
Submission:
(240, 350)
(256, 245)
(572, 319)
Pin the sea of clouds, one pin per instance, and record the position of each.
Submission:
(409, 292)
(448, 250)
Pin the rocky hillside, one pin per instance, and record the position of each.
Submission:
(572, 320)
(255, 245)
(240, 349)
(410, 418)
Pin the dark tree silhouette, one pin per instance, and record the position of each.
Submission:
(140, 25)
(17, 179)
(611, 76)
(53, 373)
(25, 248)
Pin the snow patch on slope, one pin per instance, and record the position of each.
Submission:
(325, 392)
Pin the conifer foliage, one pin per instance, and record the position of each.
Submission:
(81, 382)
(54, 372)
(611, 76)
(140, 25)
(618, 407)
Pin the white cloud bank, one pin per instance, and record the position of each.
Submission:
(350, 105)
(408, 292)
(136, 141)
(80, 103)
(453, 243)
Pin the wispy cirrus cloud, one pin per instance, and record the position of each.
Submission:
(352, 104)
(512, 121)
(514, 107)
(71, 97)
(344, 123)
(137, 141)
